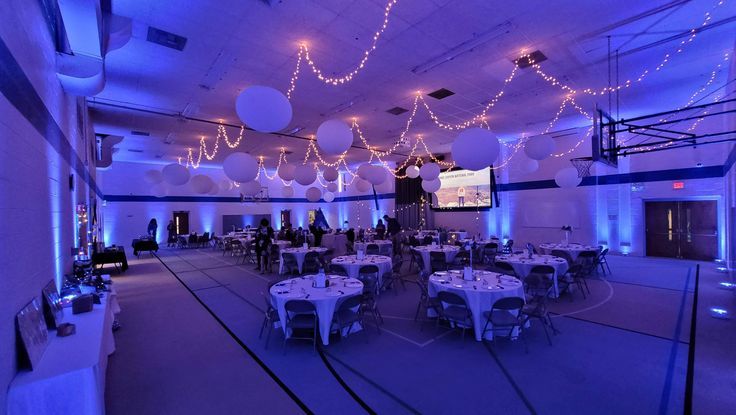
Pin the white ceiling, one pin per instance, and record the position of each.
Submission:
(236, 43)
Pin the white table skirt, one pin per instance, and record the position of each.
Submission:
(352, 265)
(480, 298)
(450, 253)
(325, 300)
(70, 378)
(335, 241)
(573, 250)
(384, 246)
(523, 265)
(299, 253)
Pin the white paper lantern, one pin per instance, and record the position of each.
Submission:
(286, 171)
(431, 186)
(334, 137)
(153, 176)
(539, 148)
(226, 185)
(328, 197)
(305, 174)
(263, 109)
(160, 190)
(429, 171)
(313, 194)
(386, 187)
(364, 171)
(412, 172)
(330, 174)
(250, 188)
(332, 187)
(240, 167)
(215, 190)
(376, 175)
(361, 185)
(475, 149)
(175, 174)
(287, 191)
(567, 178)
(527, 165)
(201, 184)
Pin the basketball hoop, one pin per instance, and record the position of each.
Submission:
(582, 164)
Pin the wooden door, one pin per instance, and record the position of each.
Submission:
(181, 222)
(682, 229)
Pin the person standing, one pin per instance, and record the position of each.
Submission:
(171, 229)
(380, 229)
(152, 228)
(264, 235)
(461, 196)
(394, 229)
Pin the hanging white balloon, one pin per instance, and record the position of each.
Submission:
(287, 171)
(330, 174)
(540, 147)
(429, 171)
(201, 184)
(334, 137)
(175, 174)
(386, 187)
(153, 176)
(226, 185)
(332, 187)
(361, 185)
(263, 109)
(567, 178)
(475, 149)
(527, 165)
(251, 188)
(431, 186)
(214, 190)
(328, 197)
(313, 194)
(287, 191)
(364, 171)
(160, 190)
(376, 175)
(240, 167)
(412, 172)
(305, 174)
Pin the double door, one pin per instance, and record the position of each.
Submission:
(682, 229)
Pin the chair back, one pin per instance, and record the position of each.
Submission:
(563, 254)
(372, 249)
(427, 240)
(300, 307)
(370, 283)
(545, 270)
(336, 269)
(451, 298)
(368, 270)
(350, 303)
(508, 304)
(505, 267)
(288, 258)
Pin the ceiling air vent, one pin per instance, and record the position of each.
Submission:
(166, 39)
(397, 110)
(529, 60)
(441, 93)
(143, 133)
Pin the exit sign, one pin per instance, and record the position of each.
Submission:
(678, 185)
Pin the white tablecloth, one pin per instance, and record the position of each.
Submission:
(352, 265)
(573, 250)
(324, 299)
(70, 378)
(335, 241)
(384, 246)
(523, 265)
(479, 295)
(449, 250)
(299, 253)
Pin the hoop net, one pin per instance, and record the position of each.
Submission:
(582, 164)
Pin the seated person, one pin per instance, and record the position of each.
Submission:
(380, 230)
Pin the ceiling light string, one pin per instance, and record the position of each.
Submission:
(304, 54)
(629, 82)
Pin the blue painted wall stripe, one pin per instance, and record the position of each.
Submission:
(18, 90)
(223, 199)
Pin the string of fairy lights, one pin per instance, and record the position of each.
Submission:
(481, 119)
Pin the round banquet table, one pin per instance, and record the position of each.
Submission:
(573, 250)
(449, 250)
(325, 300)
(523, 265)
(480, 294)
(480, 243)
(384, 246)
(299, 253)
(352, 265)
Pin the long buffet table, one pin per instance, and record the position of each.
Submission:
(70, 378)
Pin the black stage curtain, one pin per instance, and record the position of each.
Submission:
(408, 193)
